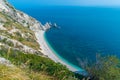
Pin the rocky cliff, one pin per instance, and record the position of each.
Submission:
(21, 17)
(17, 29)
(21, 56)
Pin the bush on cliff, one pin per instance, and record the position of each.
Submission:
(104, 68)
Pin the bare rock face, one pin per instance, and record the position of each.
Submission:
(47, 26)
(3, 6)
(19, 46)
(5, 62)
(21, 17)
(8, 31)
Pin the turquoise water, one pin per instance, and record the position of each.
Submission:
(78, 69)
(85, 31)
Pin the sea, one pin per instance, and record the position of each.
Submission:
(84, 32)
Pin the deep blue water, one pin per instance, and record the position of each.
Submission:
(85, 31)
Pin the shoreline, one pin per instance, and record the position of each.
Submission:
(52, 54)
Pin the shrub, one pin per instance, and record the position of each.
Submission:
(104, 68)
(10, 43)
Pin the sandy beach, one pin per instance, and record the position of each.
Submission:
(46, 50)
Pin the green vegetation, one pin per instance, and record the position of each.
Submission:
(8, 25)
(37, 64)
(36, 67)
(105, 68)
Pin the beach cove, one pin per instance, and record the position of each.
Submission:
(48, 51)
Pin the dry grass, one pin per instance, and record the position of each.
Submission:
(12, 73)
(40, 76)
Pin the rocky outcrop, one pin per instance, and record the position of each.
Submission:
(21, 17)
(17, 45)
(5, 62)
(3, 6)
(8, 39)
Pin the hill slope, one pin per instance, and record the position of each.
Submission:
(19, 45)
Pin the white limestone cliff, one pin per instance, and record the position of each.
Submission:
(21, 17)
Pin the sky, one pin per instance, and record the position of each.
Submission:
(66, 2)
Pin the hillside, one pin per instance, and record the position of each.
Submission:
(20, 48)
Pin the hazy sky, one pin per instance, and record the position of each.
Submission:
(67, 2)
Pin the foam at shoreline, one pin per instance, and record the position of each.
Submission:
(51, 53)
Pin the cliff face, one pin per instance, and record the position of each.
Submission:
(20, 45)
(17, 29)
(21, 17)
